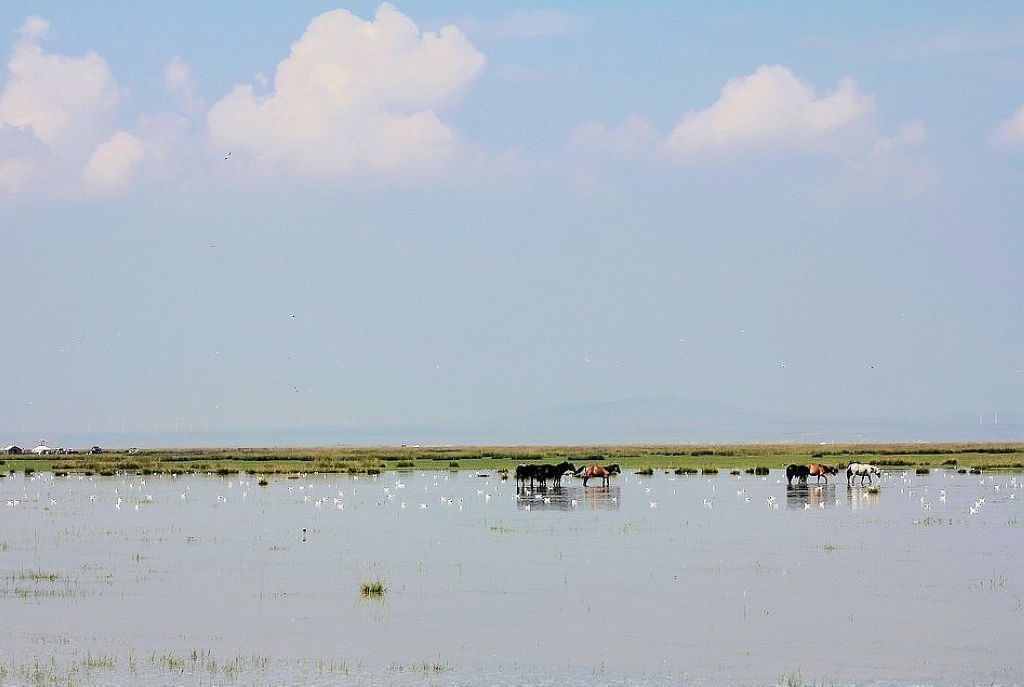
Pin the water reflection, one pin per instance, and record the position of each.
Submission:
(810, 495)
(567, 498)
(862, 497)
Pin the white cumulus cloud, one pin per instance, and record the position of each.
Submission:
(771, 107)
(112, 162)
(1011, 131)
(353, 95)
(57, 117)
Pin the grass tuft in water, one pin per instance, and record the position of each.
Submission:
(373, 589)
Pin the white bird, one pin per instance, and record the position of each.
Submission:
(654, 504)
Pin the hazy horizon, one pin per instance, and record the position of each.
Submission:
(461, 220)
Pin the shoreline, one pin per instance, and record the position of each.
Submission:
(375, 459)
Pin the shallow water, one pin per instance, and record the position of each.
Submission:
(653, 580)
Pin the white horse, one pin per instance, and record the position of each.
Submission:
(862, 470)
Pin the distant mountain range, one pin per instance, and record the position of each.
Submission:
(627, 421)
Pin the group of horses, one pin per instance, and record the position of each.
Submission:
(821, 471)
(544, 472)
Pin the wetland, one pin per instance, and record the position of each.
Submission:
(455, 577)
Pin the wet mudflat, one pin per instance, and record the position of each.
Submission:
(664, 579)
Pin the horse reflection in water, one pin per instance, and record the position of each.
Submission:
(810, 495)
(568, 498)
(861, 498)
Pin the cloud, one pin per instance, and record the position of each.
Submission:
(57, 115)
(1011, 131)
(523, 25)
(34, 28)
(771, 115)
(180, 85)
(893, 163)
(772, 107)
(633, 137)
(112, 162)
(353, 95)
(61, 99)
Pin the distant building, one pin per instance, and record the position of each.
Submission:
(13, 450)
(95, 450)
(42, 449)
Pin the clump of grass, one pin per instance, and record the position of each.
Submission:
(34, 576)
(645, 471)
(874, 489)
(373, 589)
(735, 472)
(761, 470)
(453, 464)
(829, 547)
(975, 471)
(263, 482)
(405, 464)
(922, 471)
(29, 471)
(710, 471)
(685, 471)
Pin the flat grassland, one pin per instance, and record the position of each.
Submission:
(371, 460)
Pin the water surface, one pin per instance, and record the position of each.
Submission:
(654, 580)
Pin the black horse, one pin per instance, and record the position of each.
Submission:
(554, 473)
(527, 472)
(799, 471)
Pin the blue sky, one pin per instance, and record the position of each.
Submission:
(444, 215)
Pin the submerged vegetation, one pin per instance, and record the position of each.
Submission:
(373, 589)
(739, 459)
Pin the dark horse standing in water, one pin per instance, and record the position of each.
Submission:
(802, 472)
(527, 472)
(798, 471)
(595, 470)
(545, 472)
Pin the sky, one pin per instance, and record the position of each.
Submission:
(228, 222)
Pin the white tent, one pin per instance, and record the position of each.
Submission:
(42, 449)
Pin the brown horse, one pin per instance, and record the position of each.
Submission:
(818, 470)
(595, 470)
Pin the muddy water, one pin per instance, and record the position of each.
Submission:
(653, 580)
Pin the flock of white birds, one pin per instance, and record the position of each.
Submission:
(460, 491)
